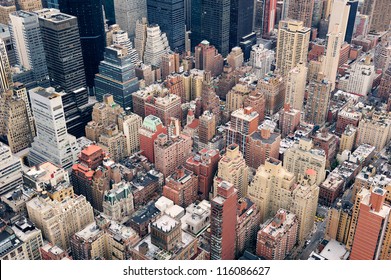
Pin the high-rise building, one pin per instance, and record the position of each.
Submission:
(5, 68)
(6, 7)
(289, 120)
(301, 10)
(339, 218)
(28, 233)
(156, 45)
(130, 124)
(204, 165)
(164, 108)
(351, 20)
(233, 169)
(235, 58)
(28, 5)
(256, 100)
(360, 78)
(277, 237)
(117, 76)
(261, 60)
(27, 40)
(64, 58)
(170, 153)
(208, 58)
(113, 142)
(260, 146)
(121, 37)
(10, 170)
(268, 186)
(210, 20)
(181, 187)
(273, 87)
(151, 127)
(374, 129)
(361, 25)
(170, 16)
(90, 19)
(295, 86)
(318, 100)
(12, 247)
(379, 12)
(236, 97)
(242, 124)
(207, 127)
(241, 20)
(301, 157)
(223, 222)
(52, 142)
(15, 127)
(60, 220)
(128, 12)
(385, 84)
(292, 44)
(268, 16)
(371, 225)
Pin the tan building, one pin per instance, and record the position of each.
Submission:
(273, 87)
(28, 5)
(304, 203)
(318, 100)
(339, 220)
(5, 9)
(256, 100)
(379, 12)
(15, 124)
(374, 129)
(233, 169)
(295, 86)
(170, 153)
(60, 220)
(347, 139)
(302, 156)
(130, 124)
(289, 120)
(235, 58)
(113, 142)
(271, 188)
(31, 236)
(301, 10)
(292, 45)
(103, 114)
(236, 96)
(207, 127)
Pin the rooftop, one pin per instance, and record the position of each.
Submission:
(165, 223)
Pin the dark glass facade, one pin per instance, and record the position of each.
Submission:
(242, 17)
(170, 16)
(351, 19)
(116, 77)
(92, 32)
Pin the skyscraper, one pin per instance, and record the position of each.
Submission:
(117, 76)
(292, 45)
(318, 100)
(295, 86)
(89, 15)
(351, 20)
(5, 69)
(211, 22)
(233, 169)
(156, 44)
(64, 58)
(170, 16)
(223, 222)
(27, 40)
(52, 142)
(371, 224)
(128, 12)
(28, 5)
(10, 170)
(241, 20)
(268, 16)
(301, 10)
(379, 12)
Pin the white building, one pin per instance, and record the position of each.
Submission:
(10, 170)
(359, 80)
(155, 46)
(261, 60)
(120, 37)
(295, 86)
(52, 142)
